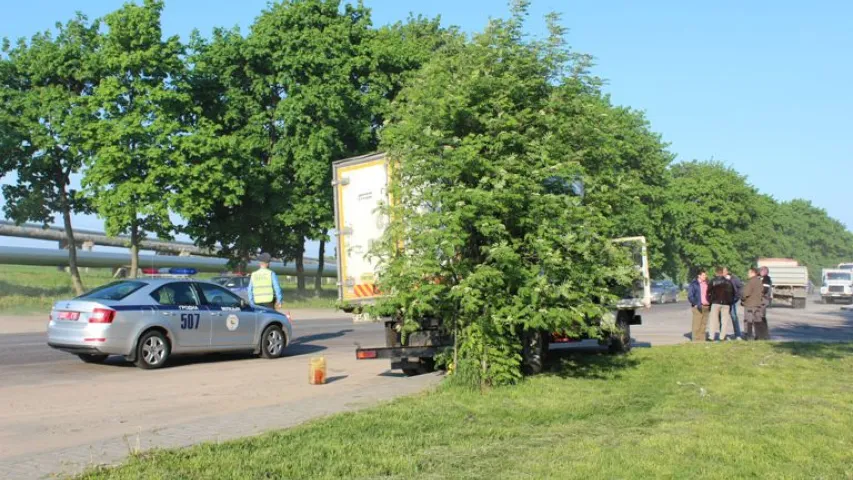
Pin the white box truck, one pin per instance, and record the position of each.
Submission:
(836, 284)
(790, 281)
(360, 188)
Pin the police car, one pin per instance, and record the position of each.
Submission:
(150, 319)
(237, 284)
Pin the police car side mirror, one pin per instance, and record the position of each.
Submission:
(243, 303)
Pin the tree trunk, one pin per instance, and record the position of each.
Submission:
(76, 281)
(318, 280)
(300, 267)
(134, 250)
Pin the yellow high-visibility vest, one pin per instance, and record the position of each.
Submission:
(262, 289)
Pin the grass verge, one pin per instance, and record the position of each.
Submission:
(30, 290)
(740, 410)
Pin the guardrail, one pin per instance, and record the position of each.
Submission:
(49, 257)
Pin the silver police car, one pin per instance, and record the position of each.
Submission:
(148, 320)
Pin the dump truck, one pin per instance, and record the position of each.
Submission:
(836, 284)
(360, 187)
(790, 281)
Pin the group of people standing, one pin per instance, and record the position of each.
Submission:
(714, 304)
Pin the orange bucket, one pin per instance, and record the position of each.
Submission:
(317, 371)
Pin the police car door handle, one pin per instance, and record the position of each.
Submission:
(168, 314)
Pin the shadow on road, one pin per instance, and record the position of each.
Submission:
(299, 349)
(184, 360)
(336, 378)
(321, 336)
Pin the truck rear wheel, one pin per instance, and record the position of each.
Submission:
(620, 341)
(425, 365)
(533, 352)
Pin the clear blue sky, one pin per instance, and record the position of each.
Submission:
(763, 86)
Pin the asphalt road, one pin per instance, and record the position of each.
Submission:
(50, 401)
(26, 359)
(671, 323)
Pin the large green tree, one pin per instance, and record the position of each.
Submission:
(710, 206)
(44, 88)
(491, 242)
(130, 176)
(808, 234)
(626, 164)
(231, 87)
(319, 53)
(310, 84)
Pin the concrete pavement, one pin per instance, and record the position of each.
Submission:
(60, 415)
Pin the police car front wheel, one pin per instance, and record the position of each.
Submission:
(272, 342)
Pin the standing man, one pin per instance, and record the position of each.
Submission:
(753, 297)
(697, 295)
(721, 294)
(738, 284)
(762, 330)
(264, 290)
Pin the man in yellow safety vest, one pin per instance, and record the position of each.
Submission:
(264, 290)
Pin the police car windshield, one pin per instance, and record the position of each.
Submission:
(113, 291)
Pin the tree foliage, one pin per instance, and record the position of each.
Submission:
(129, 176)
(44, 88)
(311, 83)
(488, 244)
(235, 134)
(715, 217)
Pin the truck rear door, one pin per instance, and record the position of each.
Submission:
(360, 187)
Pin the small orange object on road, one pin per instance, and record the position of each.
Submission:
(317, 371)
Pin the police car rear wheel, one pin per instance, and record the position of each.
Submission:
(272, 342)
(152, 351)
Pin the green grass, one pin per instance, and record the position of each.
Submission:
(32, 290)
(25, 289)
(741, 410)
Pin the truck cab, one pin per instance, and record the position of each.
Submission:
(836, 284)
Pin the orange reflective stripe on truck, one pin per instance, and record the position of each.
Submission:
(365, 290)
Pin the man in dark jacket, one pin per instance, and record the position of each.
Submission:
(738, 284)
(762, 330)
(697, 295)
(721, 294)
(753, 297)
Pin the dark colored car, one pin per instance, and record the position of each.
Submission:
(238, 285)
(664, 291)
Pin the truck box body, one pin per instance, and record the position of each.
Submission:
(360, 188)
(790, 281)
(793, 276)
